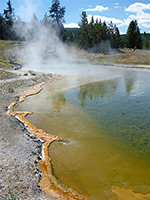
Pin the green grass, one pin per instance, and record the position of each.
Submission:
(9, 87)
(7, 49)
(138, 57)
(10, 90)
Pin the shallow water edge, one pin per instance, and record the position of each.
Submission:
(48, 183)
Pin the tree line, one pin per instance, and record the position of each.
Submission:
(9, 23)
(6, 23)
(95, 35)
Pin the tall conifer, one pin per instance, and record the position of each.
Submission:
(133, 37)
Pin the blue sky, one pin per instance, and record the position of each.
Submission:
(120, 12)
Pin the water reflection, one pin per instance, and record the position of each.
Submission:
(130, 80)
(58, 101)
(97, 90)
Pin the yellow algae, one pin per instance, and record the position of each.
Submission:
(128, 194)
(48, 183)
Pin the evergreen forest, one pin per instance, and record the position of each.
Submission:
(94, 35)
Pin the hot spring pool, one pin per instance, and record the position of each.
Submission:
(106, 124)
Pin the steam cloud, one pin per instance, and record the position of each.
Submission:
(42, 47)
(43, 51)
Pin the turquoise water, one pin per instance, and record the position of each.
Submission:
(106, 124)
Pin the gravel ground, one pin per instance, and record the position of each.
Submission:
(19, 154)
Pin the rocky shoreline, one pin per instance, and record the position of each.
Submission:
(20, 152)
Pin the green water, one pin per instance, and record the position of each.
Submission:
(107, 127)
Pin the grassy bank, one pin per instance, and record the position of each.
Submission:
(127, 56)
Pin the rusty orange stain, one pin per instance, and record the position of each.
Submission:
(48, 182)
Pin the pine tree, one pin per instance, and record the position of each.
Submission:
(133, 37)
(57, 12)
(57, 15)
(83, 39)
(139, 38)
(3, 28)
(105, 35)
(91, 33)
(8, 13)
(117, 38)
(45, 19)
(98, 31)
(111, 34)
(9, 21)
(145, 41)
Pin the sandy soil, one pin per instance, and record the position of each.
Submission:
(19, 174)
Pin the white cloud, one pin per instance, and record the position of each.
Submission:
(116, 21)
(140, 13)
(142, 17)
(116, 5)
(97, 8)
(71, 25)
(137, 7)
(137, 13)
